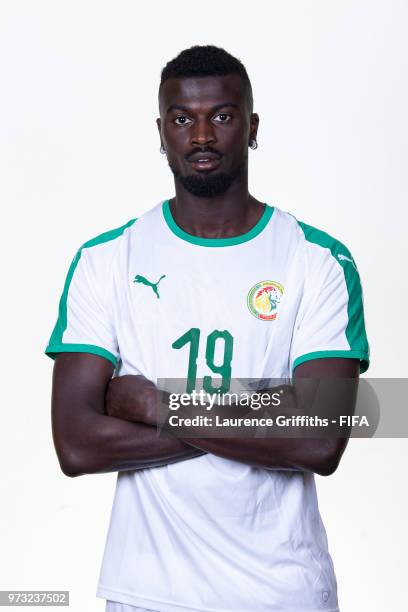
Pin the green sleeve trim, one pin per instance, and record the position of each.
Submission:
(355, 330)
(61, 324)
(353, 354)
(53, 350)
(217, 242)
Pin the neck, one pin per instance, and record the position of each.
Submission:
(230, 214)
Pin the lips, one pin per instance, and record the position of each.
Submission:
(204, 161)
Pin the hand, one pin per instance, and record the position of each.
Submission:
(132, 398)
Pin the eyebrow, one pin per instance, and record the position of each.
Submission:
(214, 109)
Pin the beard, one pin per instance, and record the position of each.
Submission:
(208, 185)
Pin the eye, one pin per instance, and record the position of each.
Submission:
(182, 120)
(222, 117)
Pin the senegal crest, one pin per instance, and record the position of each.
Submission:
(263, 300)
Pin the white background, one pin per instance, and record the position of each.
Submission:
(80, 155)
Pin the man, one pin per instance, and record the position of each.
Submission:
(211, 284)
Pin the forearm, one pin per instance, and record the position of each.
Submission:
(295, 454)
(275, 451)
(109, 444)
(306, 397)
(271, 453)
(88, 440)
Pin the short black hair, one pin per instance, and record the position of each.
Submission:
(206, 60)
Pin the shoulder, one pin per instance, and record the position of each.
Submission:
(110, 236)
(317, 245)
(324, 241)
(108, 241)
(97, 254)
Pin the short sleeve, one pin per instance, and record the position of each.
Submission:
(84, 321)
(330, 321)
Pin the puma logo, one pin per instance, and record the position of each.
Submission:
(141, 279)
(345, 258)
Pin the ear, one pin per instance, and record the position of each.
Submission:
(158, 123)
(253, 126)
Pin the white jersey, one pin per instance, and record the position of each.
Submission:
(211, 534)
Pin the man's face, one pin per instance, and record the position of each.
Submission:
(205, 126)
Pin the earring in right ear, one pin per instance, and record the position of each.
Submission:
(162, 150)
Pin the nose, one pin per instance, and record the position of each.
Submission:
(203, 133)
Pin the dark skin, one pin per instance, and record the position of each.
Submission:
(215, 114)
(102, 424)
(87, 439)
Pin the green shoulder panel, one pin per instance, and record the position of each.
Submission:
(61, 325)
(355, 331)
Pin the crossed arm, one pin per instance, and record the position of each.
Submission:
(102, 424)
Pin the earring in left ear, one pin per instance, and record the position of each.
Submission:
(162, 150)
(253, 144)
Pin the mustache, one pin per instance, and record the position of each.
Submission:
(203, 150)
